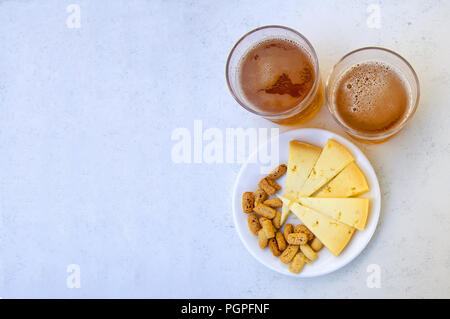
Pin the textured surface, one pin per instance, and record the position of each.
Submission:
(86, 175)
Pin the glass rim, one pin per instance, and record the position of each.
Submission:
(303, 103)
(393, 130)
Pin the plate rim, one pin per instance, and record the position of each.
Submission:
(332, 269)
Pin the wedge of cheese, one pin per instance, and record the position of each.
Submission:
(302, 157)
(333, 159)
(333, 234)
(286, 202)
(350, 182)
(350, 211)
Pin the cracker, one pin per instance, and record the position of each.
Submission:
(253, 224)
(281, 242)
(278, 172)
(273, 202)
(265, 211)
(289, 253)
(269, 186)
(274, 247)
(297, 238)
(248, 202)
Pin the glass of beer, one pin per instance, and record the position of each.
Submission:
(372, 93)
(273, 72)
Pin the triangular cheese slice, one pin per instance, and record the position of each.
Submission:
(302, 157)
(333, 234)
(350, 211)
(285, 210)
(333, 159)
(350, 182)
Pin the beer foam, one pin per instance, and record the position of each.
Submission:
(372, 96)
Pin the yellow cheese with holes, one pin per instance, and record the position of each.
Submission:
(350, 182)
(350, 211)
(285, 210)
(302, 157)
(333, 159)
(333, 234)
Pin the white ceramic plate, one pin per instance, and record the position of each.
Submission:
(249, 177)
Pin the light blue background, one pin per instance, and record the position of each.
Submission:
(86, 177)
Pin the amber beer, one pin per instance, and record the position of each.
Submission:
(372, 97)
(276, 76)
(372, 93)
